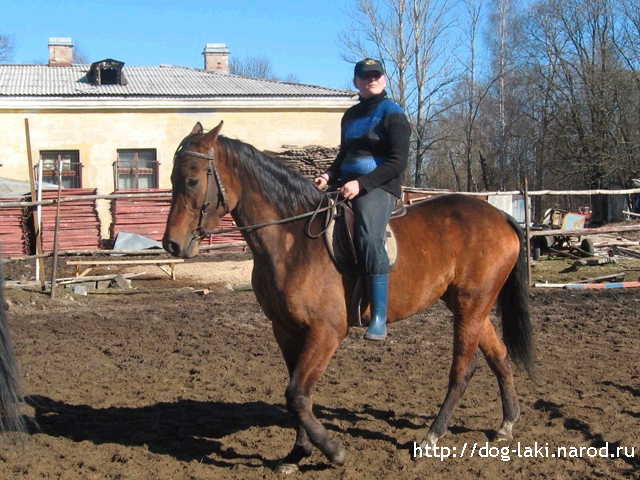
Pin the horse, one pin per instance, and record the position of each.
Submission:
(10, 399)
(451, 247)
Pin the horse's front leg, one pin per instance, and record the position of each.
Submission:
(312, 350)
(291, 346)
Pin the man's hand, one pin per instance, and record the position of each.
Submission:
(350, 190)
(322, 182)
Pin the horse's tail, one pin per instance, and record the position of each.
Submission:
(10, 418)
(513, 303)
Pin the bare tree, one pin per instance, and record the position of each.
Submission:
(408, 37)
(257, 67)
(254, 67)
(475, 92)
(6, 48)
(595, 132)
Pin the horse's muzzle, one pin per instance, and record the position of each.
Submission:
(190, 250)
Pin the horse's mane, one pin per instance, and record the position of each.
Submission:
(287, 190)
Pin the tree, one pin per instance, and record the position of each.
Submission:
(577, 46)
(257, 67)
(6, 48)
(408, 36)
(254, 67)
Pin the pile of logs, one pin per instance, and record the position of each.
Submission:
(310, 161)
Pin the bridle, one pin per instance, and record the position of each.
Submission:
(212, 171)
(222, 199)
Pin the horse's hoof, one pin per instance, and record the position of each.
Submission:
(337, 454)
(287, 468)
(505, 434)
(431, 440)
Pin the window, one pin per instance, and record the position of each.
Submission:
(106, 72)
(136, 169)
(71, 167)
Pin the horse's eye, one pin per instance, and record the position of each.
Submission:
(192, 182)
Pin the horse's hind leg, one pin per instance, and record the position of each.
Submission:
(310, 362)
(495, 352)
(466, 335)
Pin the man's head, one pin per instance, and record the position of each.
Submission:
(369, 77)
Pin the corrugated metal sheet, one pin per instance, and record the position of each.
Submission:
(153, 81)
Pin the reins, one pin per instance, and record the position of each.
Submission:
(331, 204)
(331, 198)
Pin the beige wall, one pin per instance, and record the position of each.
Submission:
(98, 134)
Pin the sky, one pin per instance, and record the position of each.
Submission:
(299, 37)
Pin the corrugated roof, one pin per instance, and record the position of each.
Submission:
(152, 81)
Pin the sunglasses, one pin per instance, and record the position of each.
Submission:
(369, 75)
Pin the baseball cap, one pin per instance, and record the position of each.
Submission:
(368, 65)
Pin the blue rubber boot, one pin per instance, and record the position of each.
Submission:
(379, 290)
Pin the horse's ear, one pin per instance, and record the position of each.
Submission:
(213, 134)
(197, 129)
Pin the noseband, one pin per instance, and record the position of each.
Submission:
(212, 171)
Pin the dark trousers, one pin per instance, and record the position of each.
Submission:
(372, 211)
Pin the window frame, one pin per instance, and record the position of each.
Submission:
(51, 175)
(135, 172)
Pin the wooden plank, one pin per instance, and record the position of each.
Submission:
(96, 278)
(591, 286)
(627, 252)
(617, 277)
(125, 262)
(585, 231)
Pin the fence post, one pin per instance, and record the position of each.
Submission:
(527, 230)
(35, 215)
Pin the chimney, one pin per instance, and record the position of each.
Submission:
(216, 57)
(60, 51)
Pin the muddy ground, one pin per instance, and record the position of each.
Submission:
(166, 383)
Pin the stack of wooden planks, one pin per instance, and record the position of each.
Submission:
(145, 216)
(79, 224)
(12, 238)
(148, 217)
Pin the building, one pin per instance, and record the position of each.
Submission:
(116, 126)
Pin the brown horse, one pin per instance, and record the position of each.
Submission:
(452, 247)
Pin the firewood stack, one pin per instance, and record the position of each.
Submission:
(310, 161)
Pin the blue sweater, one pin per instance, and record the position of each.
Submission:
(374, 145)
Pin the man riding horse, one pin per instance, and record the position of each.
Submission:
(373, 154)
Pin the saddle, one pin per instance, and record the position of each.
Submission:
(340, 242)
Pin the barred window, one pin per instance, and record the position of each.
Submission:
(71, 167)
(136, 169)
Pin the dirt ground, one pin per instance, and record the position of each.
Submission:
(167, 383)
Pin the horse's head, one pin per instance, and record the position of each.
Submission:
(200, 192)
